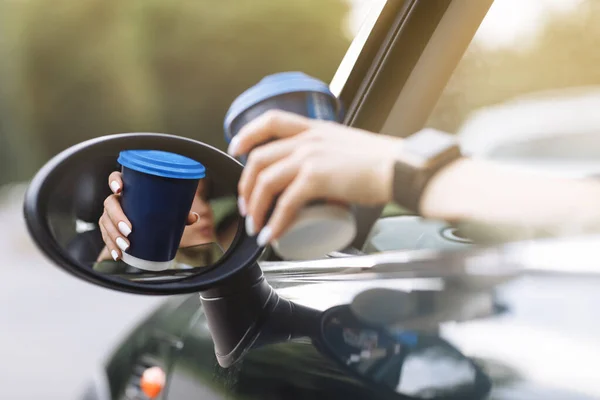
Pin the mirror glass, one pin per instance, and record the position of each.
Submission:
(76, 206)
(419, 365)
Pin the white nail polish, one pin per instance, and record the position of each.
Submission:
(114, 255)
(264, 236)
(115, 187)
(242, 206)
(250, 226)
(122, 243)
(124, 228)
(231, 150)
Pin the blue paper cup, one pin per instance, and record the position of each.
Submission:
(158, 192)
(294, 92)
(320, 228)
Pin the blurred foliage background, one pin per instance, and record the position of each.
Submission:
(74, 70)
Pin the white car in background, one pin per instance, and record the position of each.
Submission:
(554, 132)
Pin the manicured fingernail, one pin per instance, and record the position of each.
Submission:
(233, 145)
(122, 243)
(250, 226)
(124, 228)
(242, 206)
(115, 187)
(114, 255)
(264, 237)
(197, 217)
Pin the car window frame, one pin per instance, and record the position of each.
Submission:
(392, 61)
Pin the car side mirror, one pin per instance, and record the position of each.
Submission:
(65, 200)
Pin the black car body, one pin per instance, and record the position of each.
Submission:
(522, 334)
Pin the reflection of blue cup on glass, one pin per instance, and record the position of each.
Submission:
(320, 228)
(158, 192)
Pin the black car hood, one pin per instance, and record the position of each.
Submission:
(525, 310)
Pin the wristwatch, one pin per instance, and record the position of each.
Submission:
(421, 156)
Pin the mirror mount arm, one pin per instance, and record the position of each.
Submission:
(289, 321)
(245, 312)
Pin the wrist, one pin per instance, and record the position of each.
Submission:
(447, 193)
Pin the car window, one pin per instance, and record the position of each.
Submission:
(527, 90)
(528, 87)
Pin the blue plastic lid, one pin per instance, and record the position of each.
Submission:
(275, 85)
(162, 163)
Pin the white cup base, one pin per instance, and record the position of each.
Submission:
(318, 230)
(145, 264)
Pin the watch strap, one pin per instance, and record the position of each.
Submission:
(405, 186)
(422, 155)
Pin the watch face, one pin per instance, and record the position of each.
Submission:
(428, 144)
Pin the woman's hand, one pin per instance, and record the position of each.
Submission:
(311, 160)
(114, 224)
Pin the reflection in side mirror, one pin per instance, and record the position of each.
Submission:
(408, 363)
(76, 205)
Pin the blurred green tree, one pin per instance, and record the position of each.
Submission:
(80, 69)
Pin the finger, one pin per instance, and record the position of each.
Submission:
(192, 218)
(270, 183)
(112, 206)
(114, 251)
(115, 182)
(105, 255)
(261, 158)
(270, 125)
(298, 194)
(114, 234)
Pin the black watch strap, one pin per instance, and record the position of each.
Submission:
(422, 155)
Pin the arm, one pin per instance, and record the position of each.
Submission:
(316, 160)
(511, 203)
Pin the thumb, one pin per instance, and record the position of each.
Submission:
(192, 218)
